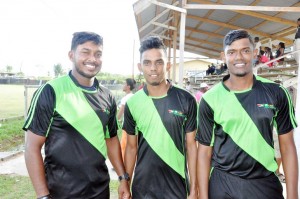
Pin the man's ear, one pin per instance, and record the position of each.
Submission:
(140, 67)
(168, 67)
(223, 57)
(71, 55)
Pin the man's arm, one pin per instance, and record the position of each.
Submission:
(120, 113)
(115, 157)
(130, 153)
(192, 163)
(34, 163)
(203, 169)
(289, 163)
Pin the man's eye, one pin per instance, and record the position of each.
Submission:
(98, 55)
(159, 63)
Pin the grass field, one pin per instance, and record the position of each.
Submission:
(12, 100)
(19, 187)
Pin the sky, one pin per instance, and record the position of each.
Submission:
(36, 34)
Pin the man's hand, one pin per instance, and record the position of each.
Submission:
(124, 192)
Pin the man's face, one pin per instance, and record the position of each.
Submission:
(126, 87)
(154, 66)
(87, 59)
(239, 57)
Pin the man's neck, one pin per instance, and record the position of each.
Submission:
(235, 83)
(159, 90)
(83, 81)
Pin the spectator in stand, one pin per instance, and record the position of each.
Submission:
(188, 86)
(257, 45)
(267, 56)
(203, 88)
(280, 52)
(208, 70)
(212, 69)
(297, 41)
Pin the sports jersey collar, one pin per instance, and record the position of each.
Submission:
(89, 88)
(227, 77)
(169, 90)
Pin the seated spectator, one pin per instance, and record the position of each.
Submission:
(188, 86)
(280, 52)
(208, 70)
(221, 69)
(269, 55)
(212, 69)
(203, 89)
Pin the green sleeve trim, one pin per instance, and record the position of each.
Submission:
(211, 170)
(291, 112)
(72, 105)
(33, 105)
(149, 123)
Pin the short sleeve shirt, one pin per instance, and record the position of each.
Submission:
(161, 125)
(239, 125)
(75, 122)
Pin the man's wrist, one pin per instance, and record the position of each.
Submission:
(45, 197)
(125, 176)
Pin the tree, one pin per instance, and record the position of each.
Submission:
(58, 70)
(9, 68)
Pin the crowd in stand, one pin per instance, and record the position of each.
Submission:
(265, 54)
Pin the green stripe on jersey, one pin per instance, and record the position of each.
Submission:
(33, 105)
(245, 134)
(150, 124)
(72, 105)
(291, 112)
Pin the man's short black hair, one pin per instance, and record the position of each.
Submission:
(234, 35)
(82, 37)
(131, 83)
(152, 42)
(298, 19)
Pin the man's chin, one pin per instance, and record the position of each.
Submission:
(154, 83)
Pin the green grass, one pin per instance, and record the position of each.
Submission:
(12, 100)
(11, 134)
(20, 187)
(15, 187)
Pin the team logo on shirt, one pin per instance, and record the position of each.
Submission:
(270, 106)
(175, 112)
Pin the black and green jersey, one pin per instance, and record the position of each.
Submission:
(161, 125)
(75, 122)
(239, 126)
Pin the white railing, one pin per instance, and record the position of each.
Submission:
(255, 69)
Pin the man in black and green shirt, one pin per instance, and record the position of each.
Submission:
(160, 121)
(75, 118)
(236, 118)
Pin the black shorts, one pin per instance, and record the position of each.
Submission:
(223, 185)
